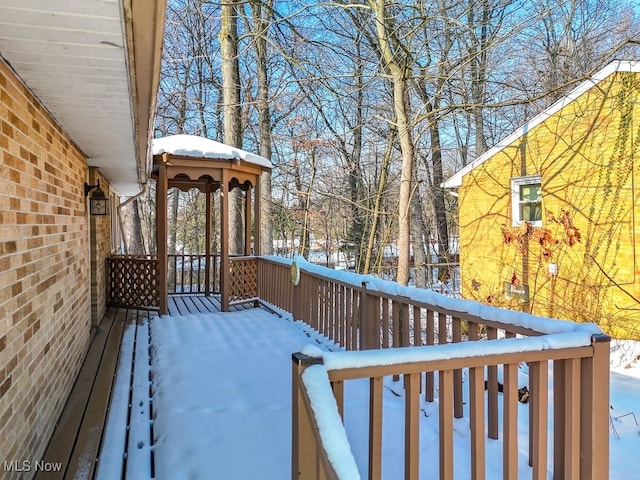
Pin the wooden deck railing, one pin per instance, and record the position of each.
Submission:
(132, 281)
(243, 278)
(447, 337)
(188, 274)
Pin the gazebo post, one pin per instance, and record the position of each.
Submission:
(257, 245)
(207, 241)
(224, 241)
(161, 236)
(247, 222)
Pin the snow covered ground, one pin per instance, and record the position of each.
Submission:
(222, 404)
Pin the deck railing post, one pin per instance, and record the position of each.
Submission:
(304, 461)
(594, 411)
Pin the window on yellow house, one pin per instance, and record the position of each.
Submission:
(526, 200)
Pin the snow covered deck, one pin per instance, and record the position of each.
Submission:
(201, 391)
(119, 339)
(221, 384)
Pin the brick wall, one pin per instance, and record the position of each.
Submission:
(100, 249)
(44, 270)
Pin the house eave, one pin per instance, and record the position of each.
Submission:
(94, 66)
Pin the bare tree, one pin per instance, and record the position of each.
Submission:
(261, 13)
(232, 109)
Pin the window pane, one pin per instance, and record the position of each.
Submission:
(530, 193)
(531, 212)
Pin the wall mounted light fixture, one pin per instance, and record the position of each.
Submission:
(98, 202)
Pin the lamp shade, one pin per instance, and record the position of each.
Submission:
(98, 203)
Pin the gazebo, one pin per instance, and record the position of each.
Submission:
(188, 161)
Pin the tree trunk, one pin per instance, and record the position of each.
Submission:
(377, 208)
(137, 243)
(304, 200)
(439, 206)
(261, 16)
(417, 234)
(232, 110)
(399, 81)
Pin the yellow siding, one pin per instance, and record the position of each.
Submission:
(587, 154)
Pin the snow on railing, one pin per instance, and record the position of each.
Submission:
(426, 296)
(318, 406)
(435, 339)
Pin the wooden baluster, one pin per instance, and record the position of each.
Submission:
(362, 317)
(492, 391)
(445, 421)
(385, 323)
(338, 392)
(357, 317)
(375, 428)
(510, 423)
(374, 314)
(476, 422)
(315, 317)
(559, 408)
(456, 337)
(192, 259)
(417, 325)
(182, 267)
(340, 292)
(570, 417)
(395, 319)
(540, 372)
(327, 322)
(404, 324)
(431, 338)
(472, 331)
(412, 426)
(442, 328)
(348, 306)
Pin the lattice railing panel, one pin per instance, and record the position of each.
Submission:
(243, 278)
(133, 281)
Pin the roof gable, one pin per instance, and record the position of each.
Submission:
(455, 181)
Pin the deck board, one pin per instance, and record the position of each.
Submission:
(80, 436)
(138, 464)
(80, 426)
(114, 442)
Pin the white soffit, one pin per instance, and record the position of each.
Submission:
(72, 55)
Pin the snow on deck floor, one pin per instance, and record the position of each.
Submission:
(222, 403)
(222, 395)
(222, 406)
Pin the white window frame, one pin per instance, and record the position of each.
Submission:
(516, 183)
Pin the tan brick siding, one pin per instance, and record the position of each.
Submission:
(588, 158)
(100, 240)
(44, 271)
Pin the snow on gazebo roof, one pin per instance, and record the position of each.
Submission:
(201, 147)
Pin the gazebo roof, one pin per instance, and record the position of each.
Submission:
(194, 146)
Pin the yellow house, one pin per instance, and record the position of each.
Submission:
(548, 220)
